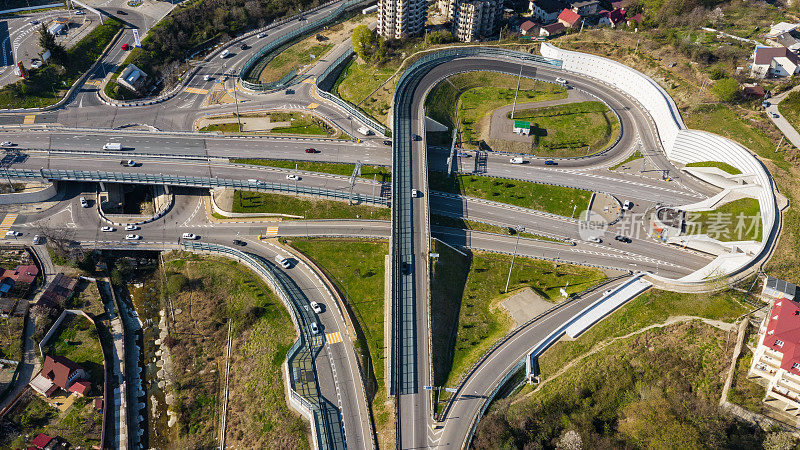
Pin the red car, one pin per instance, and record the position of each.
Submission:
(312, 150)
(126, 47)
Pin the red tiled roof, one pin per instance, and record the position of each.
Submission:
(526, 26)
(764, 55)
(616, 15)
(637, 18)
(41, 440)
(26, 274)
(569, 16)
(58, 369)
(783, 333)
(81, 387)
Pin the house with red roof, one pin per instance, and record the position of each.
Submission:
(611, 18)
(41, 441)
(569, 18)
(526, 28)
(777, 357)
(59, 372)
(554, 29)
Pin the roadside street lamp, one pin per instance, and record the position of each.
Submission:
(519, 229)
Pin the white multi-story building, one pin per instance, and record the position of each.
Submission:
(777, 357)
(401, 18)
(473, 19)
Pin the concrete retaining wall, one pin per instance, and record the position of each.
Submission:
(29, 197)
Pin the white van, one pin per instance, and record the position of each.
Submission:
(517, 160)
(224, 54)
(112, 146)
(365, 131)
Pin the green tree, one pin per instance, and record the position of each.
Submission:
(726, 90)
(48, 42)
(363, 41)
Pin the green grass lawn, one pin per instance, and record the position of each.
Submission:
(654, 306)
(210, 291)
(723, 120)
(304, 124)
(476, 94)
(725, 167)
(45, 85)
(77, 340)
(11, 338)
(542, 197)
(744, 392)
(481, 320)
(310, 208)
(379, 173)
(358, 80)
(789, 108)
(573, 129)
(739, 220)
(292, 58)
(360, 277)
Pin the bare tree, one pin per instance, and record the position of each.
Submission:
(59, 239)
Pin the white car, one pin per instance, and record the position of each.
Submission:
(6, 144)
(293, 177)
(627, 206)
(262, 35)
(12, 233)
(315, 306)
(37, 239)
(560, 80)
(595, 239)
(131, 227)
(314, 328)
(190, 236)
(107, 229)
(132, 237)
(84, 203)
(285, 263)
(415, 193)
(517, 160)
(206, 77)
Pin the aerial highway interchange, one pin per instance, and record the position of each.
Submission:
(161, 139)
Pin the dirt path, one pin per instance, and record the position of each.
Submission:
(724, 326)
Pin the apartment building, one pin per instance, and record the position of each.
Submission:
(546, 11)
(777, 357)
(401, 18)
(475, 19)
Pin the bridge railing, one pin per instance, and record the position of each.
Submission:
(203, 182)
(302, 351)
(262, 57)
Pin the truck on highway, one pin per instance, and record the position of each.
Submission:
(112, 146)
(224, 54)
(365, 131)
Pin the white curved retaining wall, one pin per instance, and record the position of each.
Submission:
(680, 144)
(44, 194)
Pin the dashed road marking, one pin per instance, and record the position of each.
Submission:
(8, 220)
(29, 119)
(313, 106)
(95, 82)
(317, 341)
(334, 338)
(271, 232)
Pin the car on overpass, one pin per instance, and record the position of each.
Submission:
(293, 177)
(7, 144)
(190, 236)
(132, 237)
(108, 229)
(312, 150)
(131, 227)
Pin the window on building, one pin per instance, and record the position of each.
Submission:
(796, 366)
(779, 342)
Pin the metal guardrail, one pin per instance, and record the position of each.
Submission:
(262, 57)
(351, 109)
(401, 249)
(302, 351)
(177, 180)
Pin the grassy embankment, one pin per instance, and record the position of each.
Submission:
(357, 268)
(633, 157)
(739, 220)
(789, 108)
(379, 173)
(210, 292)
(725, 167)
(303, 124)
(541, 197)
(310, 208)
(575, 129)
(456, 222)
(46, 85)
(466, 296)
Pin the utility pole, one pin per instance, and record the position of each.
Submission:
(235, 100)
(779, 145)
(513, 258)
(514, 108)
